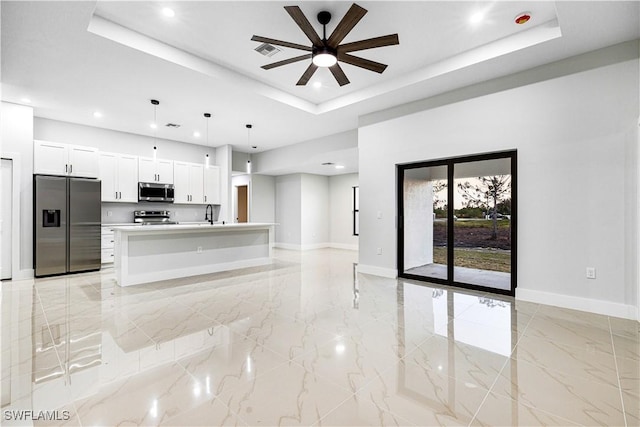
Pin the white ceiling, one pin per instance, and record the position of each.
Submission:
(73, 58)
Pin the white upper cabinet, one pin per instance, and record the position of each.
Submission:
(212, 185)
(150, 170)
(119, 176)
(188, 181)
(128, 178)
(53, 158)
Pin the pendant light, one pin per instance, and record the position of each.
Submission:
(249, 126)
(154, 126)
(207, 116)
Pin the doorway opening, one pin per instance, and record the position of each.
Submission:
(458, 221)
(242, 204)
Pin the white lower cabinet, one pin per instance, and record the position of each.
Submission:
(107, 244)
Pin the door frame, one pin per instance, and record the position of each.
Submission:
(16, 272)
(450, 163)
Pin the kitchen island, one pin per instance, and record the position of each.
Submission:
(150, 253)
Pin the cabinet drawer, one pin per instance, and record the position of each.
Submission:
(107, 256)
(107, 241)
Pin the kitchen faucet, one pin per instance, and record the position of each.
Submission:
(206, 214)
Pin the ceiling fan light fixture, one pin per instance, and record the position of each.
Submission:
(324, 57)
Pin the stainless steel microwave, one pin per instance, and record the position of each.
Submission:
(154, 192)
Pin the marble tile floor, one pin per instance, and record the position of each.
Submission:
(306, 341)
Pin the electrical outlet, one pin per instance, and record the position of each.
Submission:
(379, 251)
(109, 213)
(199, 250)
(379, 215)
(591, 273)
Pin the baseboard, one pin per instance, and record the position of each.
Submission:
(312, 246)
(606, 308)
(294, 247)
(289, 246)
(25, 274)
(378, 271)
(344, 246)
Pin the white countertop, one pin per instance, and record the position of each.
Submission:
(190, 227)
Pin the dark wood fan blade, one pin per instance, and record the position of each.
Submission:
(361, 62)
(350, 19)
(381, 41)
(286, 61)
(280, 43)
(307, 74)
(296, 13)
(340, 76)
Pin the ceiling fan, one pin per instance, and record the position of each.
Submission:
(328, 52)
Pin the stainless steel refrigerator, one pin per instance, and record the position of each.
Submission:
(67, 220)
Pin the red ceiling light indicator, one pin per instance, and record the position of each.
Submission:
(523, 18)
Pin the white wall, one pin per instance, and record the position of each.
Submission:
(315, 211)
(16, 123)
(341, 211)
(288, 211)
(282, 160)
(223, 159)
(119, 142)
(577, 187)
(263, 198)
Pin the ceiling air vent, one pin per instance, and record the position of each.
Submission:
(172, 125)
(267, 50)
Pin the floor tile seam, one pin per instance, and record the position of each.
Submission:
(484, 399)
(615, 361)
(55, 347)
(75, 408)
(532, 406)
(568, 376)
(143, 332)
(504, 365)
(545, 411)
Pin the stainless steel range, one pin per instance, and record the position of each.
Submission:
(152, 217)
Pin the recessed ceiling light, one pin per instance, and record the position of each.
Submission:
(97, 114)
(196, 134)
(168, 12)
(476, 17)
(153, 125)
(339, 167)
(317, 85)
(25, 100)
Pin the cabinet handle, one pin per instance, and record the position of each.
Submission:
(205, 198)
(70, 168)
(66, 168)
(116, 195)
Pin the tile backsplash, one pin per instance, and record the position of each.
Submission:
(123, 212)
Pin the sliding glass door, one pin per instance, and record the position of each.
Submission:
(457, 221)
